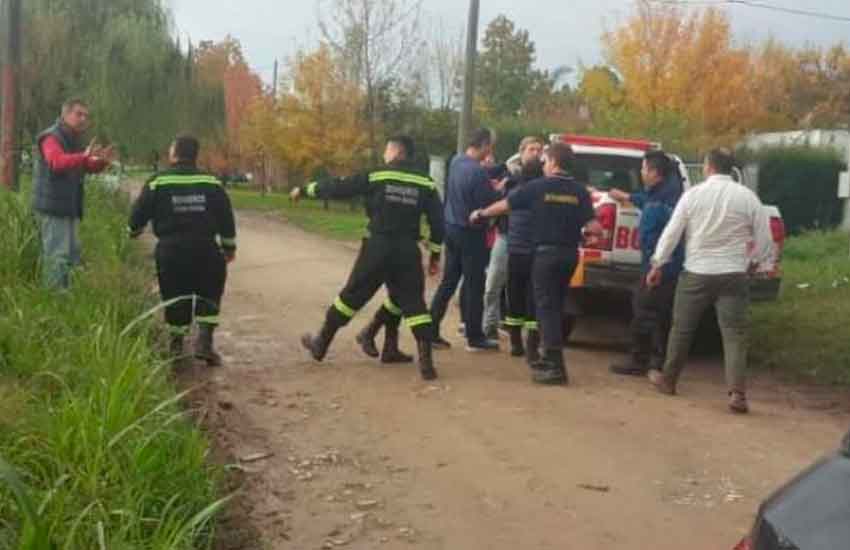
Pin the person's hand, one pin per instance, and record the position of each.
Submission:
(753, 268)
(295, 194)
(500, 185)
(619, 196)
(92, 149)
(434, 264)
(593, 227)
(653, 279)
(230, 256)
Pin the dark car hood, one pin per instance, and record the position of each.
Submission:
(812, 512)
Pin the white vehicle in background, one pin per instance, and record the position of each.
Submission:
(610, 263)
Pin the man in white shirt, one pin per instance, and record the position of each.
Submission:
(727, 235)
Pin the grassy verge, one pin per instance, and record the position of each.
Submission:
(805, 333)
(96, 451)
(337, 222)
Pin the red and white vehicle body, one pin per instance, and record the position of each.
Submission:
(611, 261)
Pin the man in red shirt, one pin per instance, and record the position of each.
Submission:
(58, 191)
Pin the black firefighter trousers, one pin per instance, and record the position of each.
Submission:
(553, 268)
(193, 273)
(397, 263)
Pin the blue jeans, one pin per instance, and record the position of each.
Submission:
(60, 249)
(497, 279)
(466, 257)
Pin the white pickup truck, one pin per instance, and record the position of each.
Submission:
(610, 263)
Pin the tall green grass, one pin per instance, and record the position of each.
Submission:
(806, 332)
(96, 451)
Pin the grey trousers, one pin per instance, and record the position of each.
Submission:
(60, 249)
(730, 295)
(497, 279)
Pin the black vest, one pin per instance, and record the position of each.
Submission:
(55, 194)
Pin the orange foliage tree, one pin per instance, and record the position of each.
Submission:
(225, 63)
(317, 124)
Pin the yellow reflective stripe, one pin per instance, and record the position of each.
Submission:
(195, 179)
(228, 242)
(178, 330)
(418, 321)
(392, 308)
(312, 189)
(514, 321)
(208, 319)
(344, 309)
(435, 248)
(532, 325)
(389, 175)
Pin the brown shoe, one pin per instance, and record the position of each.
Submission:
(738, 402)
(661, 383)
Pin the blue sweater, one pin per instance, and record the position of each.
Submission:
(467, 189)
(657, 206)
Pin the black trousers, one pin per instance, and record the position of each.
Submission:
(195, 271)
(553, 268)
(396, 263)
(521, 308)
(652, 317)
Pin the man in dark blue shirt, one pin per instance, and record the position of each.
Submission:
(468, 188)
(560, 207)
(652, 307)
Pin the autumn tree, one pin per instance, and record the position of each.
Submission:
(675, 63)
(224, 62)
(317, 126)
(372, 40)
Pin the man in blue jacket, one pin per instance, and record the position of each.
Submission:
(653, 306)
(467, 189)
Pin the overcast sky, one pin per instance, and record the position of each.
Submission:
(566, 32)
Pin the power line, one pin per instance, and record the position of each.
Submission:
(760, 5)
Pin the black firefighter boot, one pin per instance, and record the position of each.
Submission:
(204, 349)
(517, 348)
(532, 347)
(366, 337)
(318, 345)
(551, 370)
(426, 361)
(391, 355)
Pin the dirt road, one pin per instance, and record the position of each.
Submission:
(350, 454)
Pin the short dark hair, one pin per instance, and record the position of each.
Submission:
(562, 154)
(186, 148)
(70, 103)
(658, 161)
(480, 138)
(722, 160)
(406, 143)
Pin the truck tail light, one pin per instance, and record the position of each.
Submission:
(606, 215)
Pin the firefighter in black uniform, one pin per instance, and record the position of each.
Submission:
(561, 207)
(190, 211)
(397, 196)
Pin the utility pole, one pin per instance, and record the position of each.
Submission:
(10, 15)
(267, 168)
(469, 76)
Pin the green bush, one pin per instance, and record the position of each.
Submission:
(95, 450)
(803, 183)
